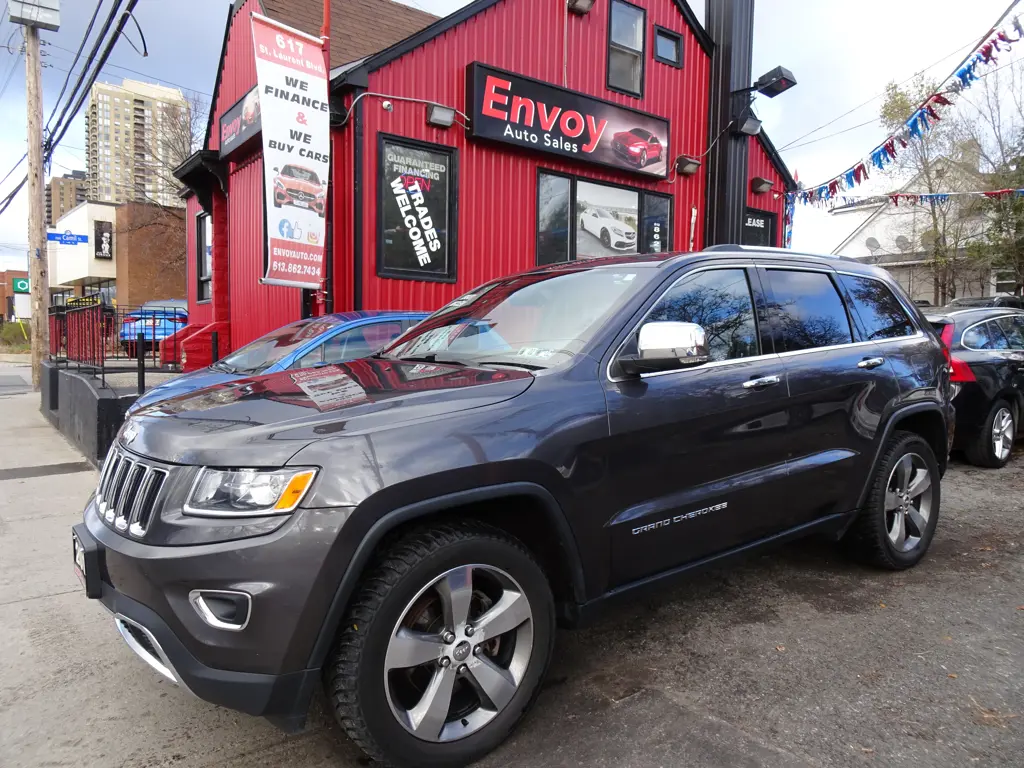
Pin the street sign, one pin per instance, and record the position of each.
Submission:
(20, 285)
(66, 238)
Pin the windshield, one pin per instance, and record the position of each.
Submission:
(259, 355)
(302, 174)
(536, 320)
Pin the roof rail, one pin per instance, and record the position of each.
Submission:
(776, 251)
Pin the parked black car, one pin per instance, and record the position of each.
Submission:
(1016, 302)
(987, 358)
(410, 527)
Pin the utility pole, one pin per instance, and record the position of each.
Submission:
(37, 258)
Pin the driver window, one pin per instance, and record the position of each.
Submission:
(719, 300)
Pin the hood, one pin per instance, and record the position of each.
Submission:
(290, 182)
(180, 385)
(265, 420)
(628, 138)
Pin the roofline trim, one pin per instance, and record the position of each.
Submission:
(777, 161)
(376, 61)
(233, 10)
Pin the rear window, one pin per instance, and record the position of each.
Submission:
(985, 336)
(876, 310)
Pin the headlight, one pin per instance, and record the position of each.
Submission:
(248, 492)
(618, 232)
(278, 183)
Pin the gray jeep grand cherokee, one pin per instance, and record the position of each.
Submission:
(408, 529)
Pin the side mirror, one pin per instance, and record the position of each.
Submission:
(666, 346)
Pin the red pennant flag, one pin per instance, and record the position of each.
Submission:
(890, 147)
(895, 200)
(932, 113)
(997, 193)
(938, 98)
(833, 188)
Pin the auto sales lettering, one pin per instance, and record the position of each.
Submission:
(528, 113)
(292, 84)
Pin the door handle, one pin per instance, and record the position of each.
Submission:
(871, 362)
(761, 382)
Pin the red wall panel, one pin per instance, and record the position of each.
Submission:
(198, 314)
(255, 308)
(759, 164)
(238, 68)
(497, 184)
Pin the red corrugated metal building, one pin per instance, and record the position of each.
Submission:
(567, 131)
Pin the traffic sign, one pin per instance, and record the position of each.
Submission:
(20, 285)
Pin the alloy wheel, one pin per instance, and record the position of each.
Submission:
(458, 653)
(1002, 434)
(908, 502)
(643, 157)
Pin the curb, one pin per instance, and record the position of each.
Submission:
(15, 358)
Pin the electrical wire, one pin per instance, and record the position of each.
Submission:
(78, 55)
(108, 67)
(10, 75)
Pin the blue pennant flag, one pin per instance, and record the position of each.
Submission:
(850, 182)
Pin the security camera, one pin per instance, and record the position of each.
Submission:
(388, 106)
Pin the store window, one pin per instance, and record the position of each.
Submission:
(668, 47)
(626, 48)
(204, 257)
(580, 219)
(416, 227)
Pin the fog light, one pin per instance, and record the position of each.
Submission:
(222, 609)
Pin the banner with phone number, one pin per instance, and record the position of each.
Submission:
(291, 78)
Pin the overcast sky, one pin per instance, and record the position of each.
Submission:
(842, 54)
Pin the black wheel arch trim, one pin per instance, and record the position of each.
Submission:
(891, 425)
(368, 545)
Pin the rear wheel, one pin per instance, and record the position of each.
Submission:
(993, 446)
(444, 647)
(896, 525)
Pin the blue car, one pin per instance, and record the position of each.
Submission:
(155, 320)
(305, 343)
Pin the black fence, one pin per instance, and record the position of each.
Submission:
(102, 339)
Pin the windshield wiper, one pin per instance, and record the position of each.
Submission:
(430, 358)
(527, 366)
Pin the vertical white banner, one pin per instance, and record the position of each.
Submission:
(292, 80)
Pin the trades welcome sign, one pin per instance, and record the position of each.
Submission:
(291, 79)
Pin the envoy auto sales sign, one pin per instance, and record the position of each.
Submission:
(536, 115)
(292, 82)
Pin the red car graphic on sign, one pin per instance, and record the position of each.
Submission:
(300, 187)
(638, 146)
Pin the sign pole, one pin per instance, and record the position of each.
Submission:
(38, 262)
(326, 297)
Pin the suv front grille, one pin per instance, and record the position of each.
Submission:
(128, 491)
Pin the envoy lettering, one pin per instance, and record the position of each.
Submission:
(523, 110)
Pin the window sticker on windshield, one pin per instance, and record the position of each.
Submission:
(329, 388)
(540, 354)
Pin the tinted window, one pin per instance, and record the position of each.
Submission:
(719, 300)
(267, 350)
(552, 218)
(1013, 329)
(809, 311)
(985, 336)
(877, 312)
(352, 344)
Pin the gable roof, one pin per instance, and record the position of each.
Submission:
(358, 27)
(776, 160)
(356, 74)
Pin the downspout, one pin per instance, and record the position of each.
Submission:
(327, 283)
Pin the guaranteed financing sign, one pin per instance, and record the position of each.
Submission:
(293, 107)
(529, 113)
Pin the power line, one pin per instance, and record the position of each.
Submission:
(10, 74)
(135, 72)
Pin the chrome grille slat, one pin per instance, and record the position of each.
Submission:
(128, 491)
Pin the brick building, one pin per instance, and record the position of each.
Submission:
(151, 254)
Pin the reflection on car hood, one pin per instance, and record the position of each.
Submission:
(180, 385)
(266, 419)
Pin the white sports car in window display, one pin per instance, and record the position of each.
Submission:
(610, 231)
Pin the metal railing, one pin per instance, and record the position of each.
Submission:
(100, 339)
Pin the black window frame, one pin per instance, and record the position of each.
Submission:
(616, 46)
(642, 192)
(451, 274)
(676, 36)
(204, 282)
(773, 226)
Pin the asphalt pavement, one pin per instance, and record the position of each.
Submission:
(798, 658)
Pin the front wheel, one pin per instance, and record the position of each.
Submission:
(643, 157)
(993, 447)
(897, 523)
(443, 648)
(606, 239)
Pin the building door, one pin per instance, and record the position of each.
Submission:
(759, 228)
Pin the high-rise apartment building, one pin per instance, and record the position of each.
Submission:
(136, 134)
(63, 193)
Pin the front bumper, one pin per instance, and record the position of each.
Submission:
(260, 670)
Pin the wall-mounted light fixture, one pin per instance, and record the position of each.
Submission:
(747, 123)
(771, 84)
(580, 7)
(687, 166)
(759, 186)
(439, 116)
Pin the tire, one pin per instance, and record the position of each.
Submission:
(983, 450)
(606, 239)
(276, 203)
(398, 594)
(643, 157)
(870, 538)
